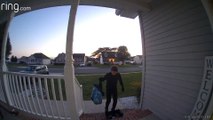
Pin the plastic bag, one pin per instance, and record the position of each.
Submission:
(96, 95)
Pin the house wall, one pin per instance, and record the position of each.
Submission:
(46, 61)
(177, 37)
(35, 61)
(79, 59)
(60, 59)
(23, 60)
(138, 60)
(32, 60)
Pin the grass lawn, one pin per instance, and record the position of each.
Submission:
(132, 84)
(107, 66)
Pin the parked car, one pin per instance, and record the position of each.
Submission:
(82, 65)
(36, 69)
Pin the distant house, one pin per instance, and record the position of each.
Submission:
(23, 60)
(39, 58)
(60, 59)
(138, 59)
(108, 57)
(79, 58)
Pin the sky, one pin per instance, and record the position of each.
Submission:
(45, 31)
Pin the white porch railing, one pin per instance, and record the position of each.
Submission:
(42, 95)
(2, 97)
(79, 98)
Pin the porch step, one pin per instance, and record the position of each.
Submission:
(129, 114)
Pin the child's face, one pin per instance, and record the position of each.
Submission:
(114, 72)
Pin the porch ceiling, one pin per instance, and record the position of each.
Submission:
(125, 8)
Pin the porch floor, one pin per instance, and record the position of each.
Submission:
(129, 114)
(128, 105)
(123, 103)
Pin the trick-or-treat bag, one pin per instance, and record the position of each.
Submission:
(96, 95)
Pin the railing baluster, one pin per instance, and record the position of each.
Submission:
(19, 91)
(2, 97)
(48, 97)
(54, 95)
(32, 98)
(36, 95)
(14, 93)
(61, 96)
(26, 91)
(23, 101)
(42, 95)
(11, 89)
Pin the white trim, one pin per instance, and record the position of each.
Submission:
(208, 5)
(3, 61)
(128, 5)
(144, 60)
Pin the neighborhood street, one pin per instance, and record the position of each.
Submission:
(84, 70)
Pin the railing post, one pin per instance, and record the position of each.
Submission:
(3, 61)
(69, 74)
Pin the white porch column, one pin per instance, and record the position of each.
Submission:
(208, 5)
(69, 74)
(144, 60)
(3, 61)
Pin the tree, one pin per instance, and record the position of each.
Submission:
(14, 59)
(97, 52)
(123, 53)
(8, 47)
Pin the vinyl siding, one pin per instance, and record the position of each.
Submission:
(177, 37)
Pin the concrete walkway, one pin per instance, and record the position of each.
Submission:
(123, 103)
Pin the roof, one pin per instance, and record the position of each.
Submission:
(23, 57)
(126, 8)
(40, 56)
(61, 54)
(140, 56)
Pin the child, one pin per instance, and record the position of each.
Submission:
(112, 79)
